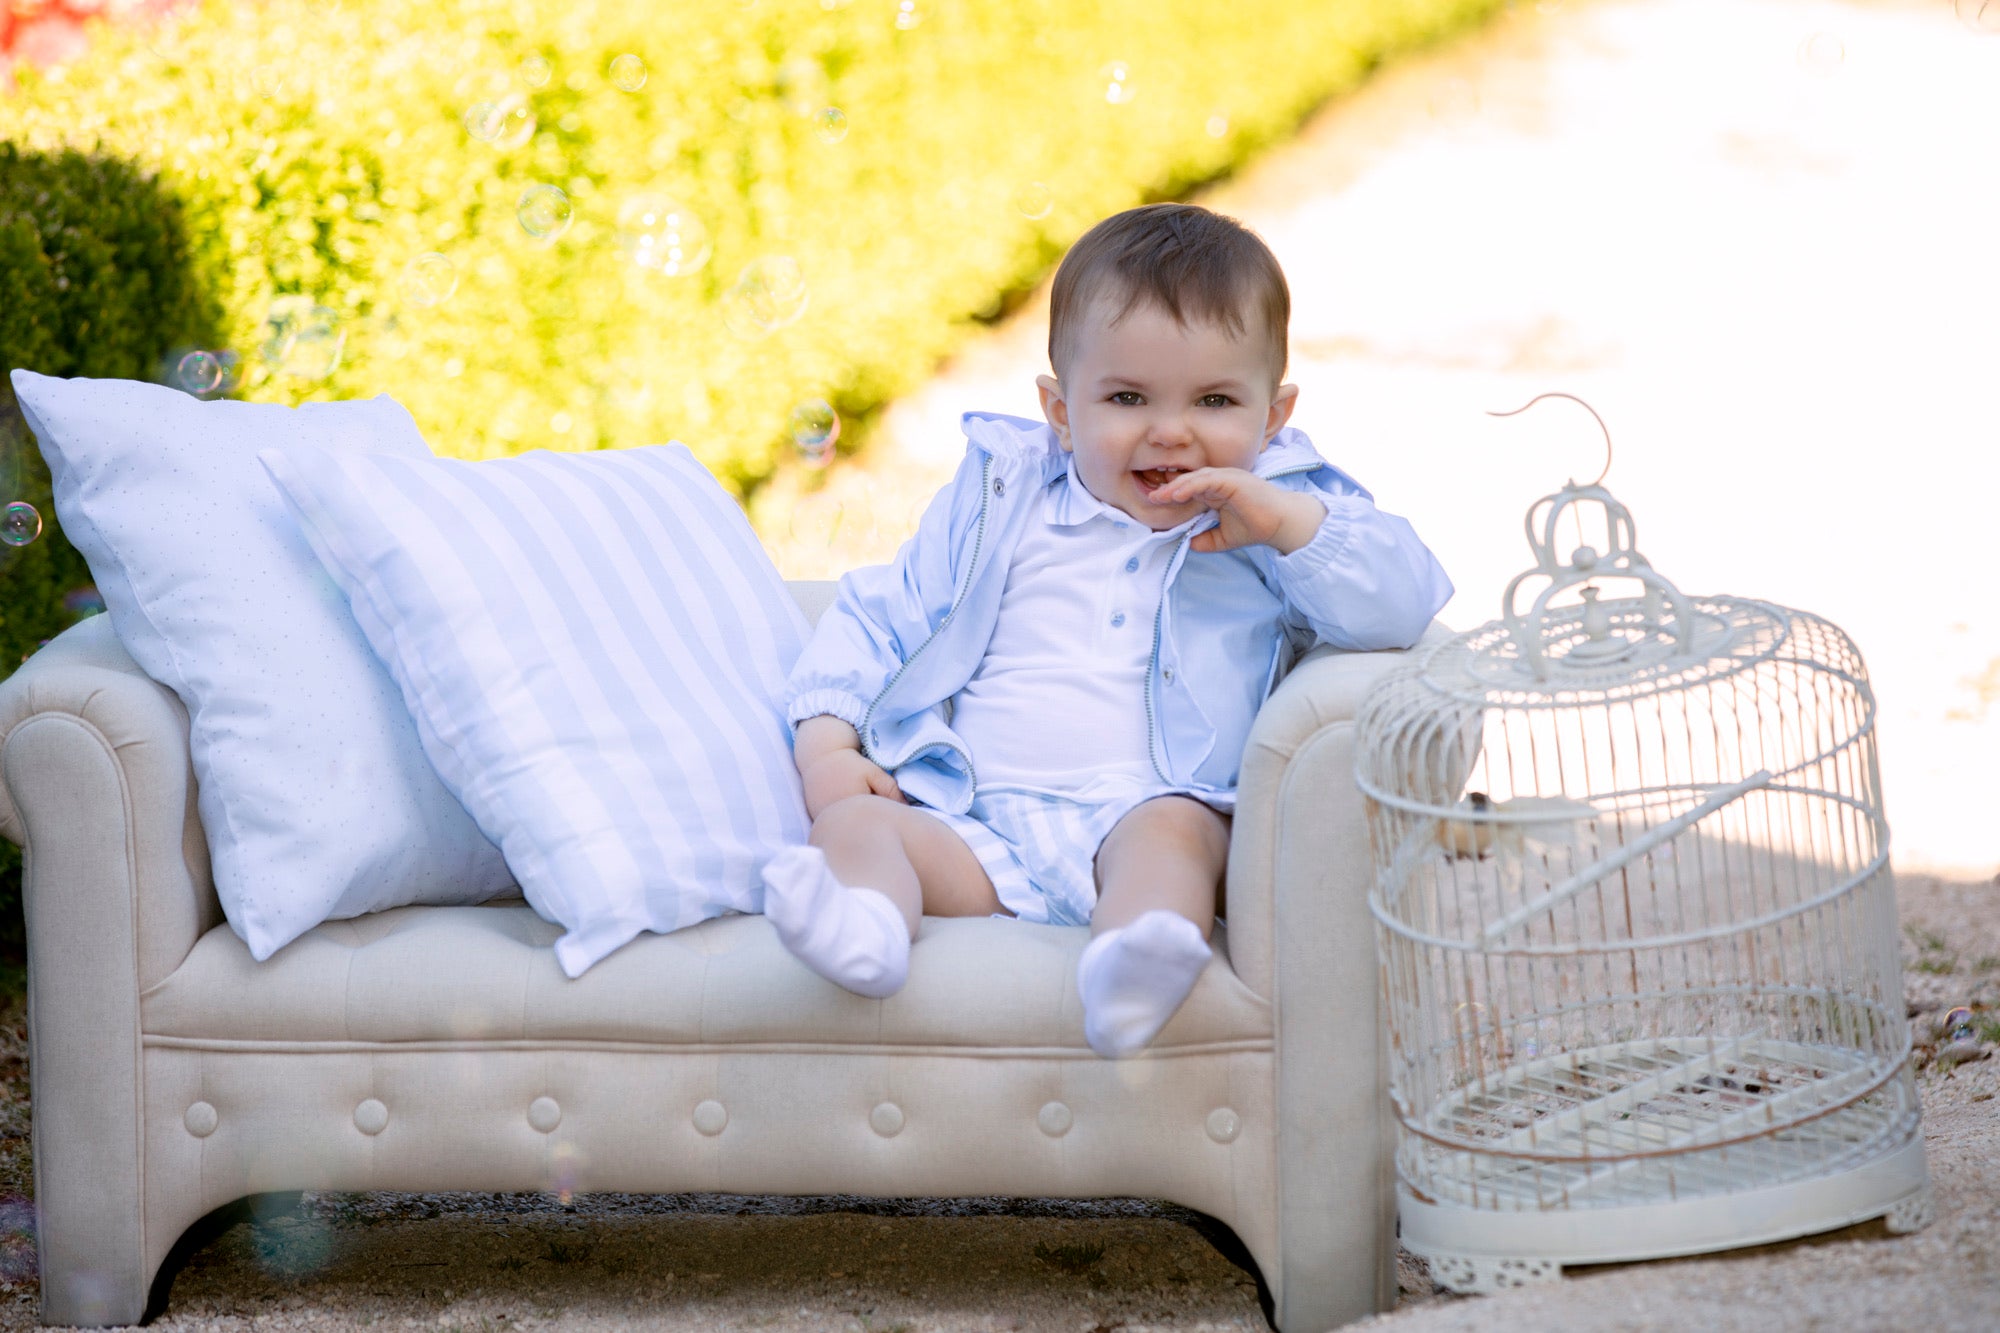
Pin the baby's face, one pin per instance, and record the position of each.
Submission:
(1146, 398)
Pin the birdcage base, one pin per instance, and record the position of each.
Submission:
(1469, 1276)
(1481, 1250)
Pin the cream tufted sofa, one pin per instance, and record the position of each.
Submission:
(437, 1048)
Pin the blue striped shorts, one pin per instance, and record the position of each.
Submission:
(1040, 847)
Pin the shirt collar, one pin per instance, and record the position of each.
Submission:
(1067, 502)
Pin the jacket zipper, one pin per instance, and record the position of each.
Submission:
(1159, 614)
(1153, 669)
(972, 565)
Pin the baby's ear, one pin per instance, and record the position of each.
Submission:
(1054, 407)
(1282, 402)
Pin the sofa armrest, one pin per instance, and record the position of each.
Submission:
(1296, 814)
(1300, 935)
(96, 784)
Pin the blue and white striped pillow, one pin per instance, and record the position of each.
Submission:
(594, 647)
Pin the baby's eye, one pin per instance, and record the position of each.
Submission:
(1126, 398)
(1215, 400)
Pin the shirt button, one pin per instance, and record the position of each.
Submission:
(1132, 564)
(1167, 675)
(1117, 619)
(999, 486)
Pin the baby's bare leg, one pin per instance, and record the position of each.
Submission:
(913, 860)
(1157, 875)
(848, 905)
(1167, 853)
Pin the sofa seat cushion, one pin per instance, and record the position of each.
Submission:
(475, 975)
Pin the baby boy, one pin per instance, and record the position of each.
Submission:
(1040, 707)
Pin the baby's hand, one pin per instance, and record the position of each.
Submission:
(844, 773)
(1253, 511)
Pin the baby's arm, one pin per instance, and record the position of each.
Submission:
(1360, 579)
(832, 767)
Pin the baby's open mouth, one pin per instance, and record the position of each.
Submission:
(1152, 478)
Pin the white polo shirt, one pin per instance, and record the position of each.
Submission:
(1059, 700)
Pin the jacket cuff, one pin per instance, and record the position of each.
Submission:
(1325, 548)
(849, 708)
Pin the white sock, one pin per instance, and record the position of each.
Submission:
(855, 938)
(1135, 977)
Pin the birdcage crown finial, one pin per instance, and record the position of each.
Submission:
(1589, 634)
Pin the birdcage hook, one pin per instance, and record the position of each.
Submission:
(1599, 479)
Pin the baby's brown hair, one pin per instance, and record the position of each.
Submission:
(1194, 264)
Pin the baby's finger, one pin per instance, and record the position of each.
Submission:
(1207, 484)
(882, 783)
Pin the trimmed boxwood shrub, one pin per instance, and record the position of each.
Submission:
(95, 279)
(321, 150)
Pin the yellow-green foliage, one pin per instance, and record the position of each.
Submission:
(321, 147)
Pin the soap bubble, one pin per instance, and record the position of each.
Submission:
(544, 212)
(815, 429)
(1115, 79)
(1472, 1035)
(769, 294)
(1978, 15)
(267, 81)
(480, 121)
(662, 235)
(1034, 200)
(84, 602)
(20, 523)
(536, 69)
(830, 124)
(909, 13)
(1218, 124)
(628, 73)
(1957, 1025)
(1822, 53)
(430, 279)
(506, 123)
(566, 1165)
(198, 373)
(292, 1246)
(302, 338)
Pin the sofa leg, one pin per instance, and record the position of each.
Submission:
(203, 1232)
(1231, 1247)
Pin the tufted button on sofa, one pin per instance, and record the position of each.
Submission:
(441, 1048)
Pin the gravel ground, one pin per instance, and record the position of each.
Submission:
(687, 1262)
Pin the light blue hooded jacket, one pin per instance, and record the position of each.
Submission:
(903, 638)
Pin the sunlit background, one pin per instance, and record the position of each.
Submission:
(803, 235)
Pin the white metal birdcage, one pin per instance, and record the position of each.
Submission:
(1636, 923)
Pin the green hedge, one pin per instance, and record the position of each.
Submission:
(181, 186)
(95, 279)
(319, 150)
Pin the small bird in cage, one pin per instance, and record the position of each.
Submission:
(1524, 825)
